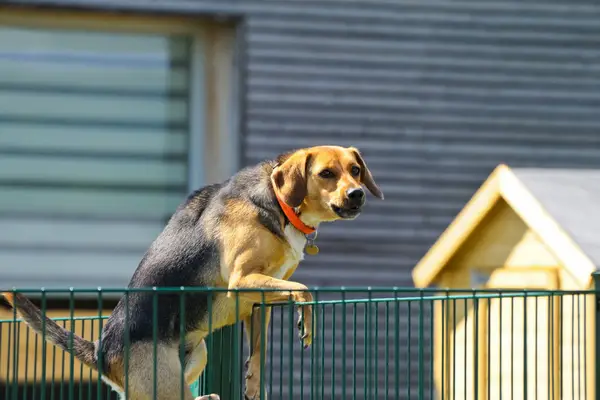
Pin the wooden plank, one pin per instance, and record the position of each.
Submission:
(29, 360)
(522, 331)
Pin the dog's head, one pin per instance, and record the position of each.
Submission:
(324, 182)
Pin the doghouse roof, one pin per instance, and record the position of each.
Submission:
(562, 206)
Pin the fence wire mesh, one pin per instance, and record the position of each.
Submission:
(367, 344)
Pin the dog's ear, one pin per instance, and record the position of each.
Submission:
(365, 175)
(289, 177)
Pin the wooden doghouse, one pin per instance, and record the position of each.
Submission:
(528, 229)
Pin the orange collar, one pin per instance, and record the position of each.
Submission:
(294, 219)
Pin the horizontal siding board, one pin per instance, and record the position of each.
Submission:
(434, 45)
(381, 10)
(455, 106)
(430, 147)
(511, 29)
(434, 76)
(338, 87)
(325, 64)
(417, 115)
(518, 138)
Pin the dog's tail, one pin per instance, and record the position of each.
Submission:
(82, 349)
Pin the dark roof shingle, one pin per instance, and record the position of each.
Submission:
(572, 197)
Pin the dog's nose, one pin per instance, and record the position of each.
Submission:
(356, 195)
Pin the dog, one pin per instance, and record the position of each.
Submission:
(248, 232)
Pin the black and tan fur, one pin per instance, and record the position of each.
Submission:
(229, 235)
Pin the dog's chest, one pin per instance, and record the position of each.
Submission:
(295, 253)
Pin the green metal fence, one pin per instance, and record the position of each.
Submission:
(368, 344)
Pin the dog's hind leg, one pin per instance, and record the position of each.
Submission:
(195, 362)
(164, 378)
(254, 332)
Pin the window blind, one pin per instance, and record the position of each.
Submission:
(94, 133)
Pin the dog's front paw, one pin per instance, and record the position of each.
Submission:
(305, 326)
(253, 393)
(254, 397)
(248, 370)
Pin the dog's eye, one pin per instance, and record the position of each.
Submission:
(326, 174)
(355, 171)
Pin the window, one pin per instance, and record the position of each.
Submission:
(106, 123)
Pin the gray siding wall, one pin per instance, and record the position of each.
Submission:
(435, 93)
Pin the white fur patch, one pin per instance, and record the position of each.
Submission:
(297, 241)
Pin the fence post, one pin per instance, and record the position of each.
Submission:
(596, 277)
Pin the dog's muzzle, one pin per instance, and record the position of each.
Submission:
(355, 199)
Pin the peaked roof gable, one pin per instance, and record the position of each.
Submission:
(503, 183)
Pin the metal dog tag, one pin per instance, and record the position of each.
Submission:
(311, 248)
